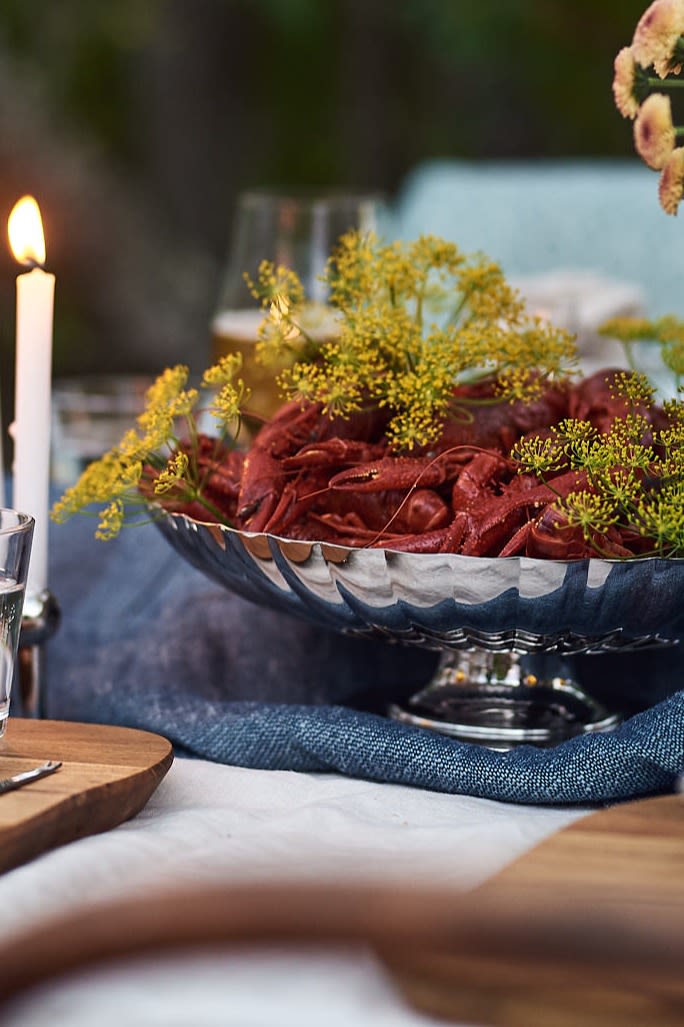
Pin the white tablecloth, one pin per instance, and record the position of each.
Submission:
(209, 823)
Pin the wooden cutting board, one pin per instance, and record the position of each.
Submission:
(612, 947)
(107, 776)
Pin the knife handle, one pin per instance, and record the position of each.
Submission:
(10, 784)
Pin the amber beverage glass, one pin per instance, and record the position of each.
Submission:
(295, 230)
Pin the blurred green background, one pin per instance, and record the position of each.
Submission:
(136, 122)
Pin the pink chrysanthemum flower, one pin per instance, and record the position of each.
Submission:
(654, 134)
(671, 185)
(625, 83)
(657, 34)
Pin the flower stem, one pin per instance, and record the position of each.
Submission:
(665, 83)
(214, 510)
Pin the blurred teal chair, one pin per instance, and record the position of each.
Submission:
(601, 217)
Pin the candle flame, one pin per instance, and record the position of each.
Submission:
(25, 230)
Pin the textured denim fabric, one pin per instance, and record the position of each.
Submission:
(147, 642)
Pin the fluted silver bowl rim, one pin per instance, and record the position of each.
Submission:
(444, 600)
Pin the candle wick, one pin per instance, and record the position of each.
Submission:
(33, 263)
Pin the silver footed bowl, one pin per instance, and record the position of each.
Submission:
(483, 613)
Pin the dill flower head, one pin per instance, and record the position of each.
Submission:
(588, 511)
(671, 185)
(657, 35)
(629, 83)
(654, 135)
(155, 458)
(415, 319)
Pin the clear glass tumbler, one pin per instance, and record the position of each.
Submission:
(16, 535)
(298, 231)
(90, 414)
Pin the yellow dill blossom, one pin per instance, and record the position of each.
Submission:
(413, 427)
(627, 329)
(630, 83)
(111, 521)
(232, 395)
(627, 479)
(305, 383)
(625, 447)
(150, 458)
(414, 320)
(527, 359)
(654, 134)
(487, 295)
(174, 472)
(634, 387)
(670, 333)
(538, 456)
(276, 285)
(659, 516)
(586, 449)
(656, 36)
(165, 391)
(422, 393)
(223, 372)
(621, 485)
(228, 403)
(166, 400)
(103, 479)
(667, 332)
(588, 511)
(674, 412)
(574, 439)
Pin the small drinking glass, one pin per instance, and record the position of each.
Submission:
(16, 535)
(298, 231)
(90, 414)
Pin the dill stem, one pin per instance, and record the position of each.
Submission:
(214, 510)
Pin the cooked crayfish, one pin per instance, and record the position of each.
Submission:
(308, 475)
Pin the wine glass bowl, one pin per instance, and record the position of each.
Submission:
(295, 230)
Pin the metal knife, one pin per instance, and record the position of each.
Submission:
(19, 780)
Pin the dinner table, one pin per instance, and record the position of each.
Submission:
(321, 883)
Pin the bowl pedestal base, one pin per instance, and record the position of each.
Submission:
(487, 698)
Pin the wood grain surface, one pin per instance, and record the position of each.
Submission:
(613, 879)
(107, 776)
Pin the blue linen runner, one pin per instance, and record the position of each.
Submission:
(146, 641)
